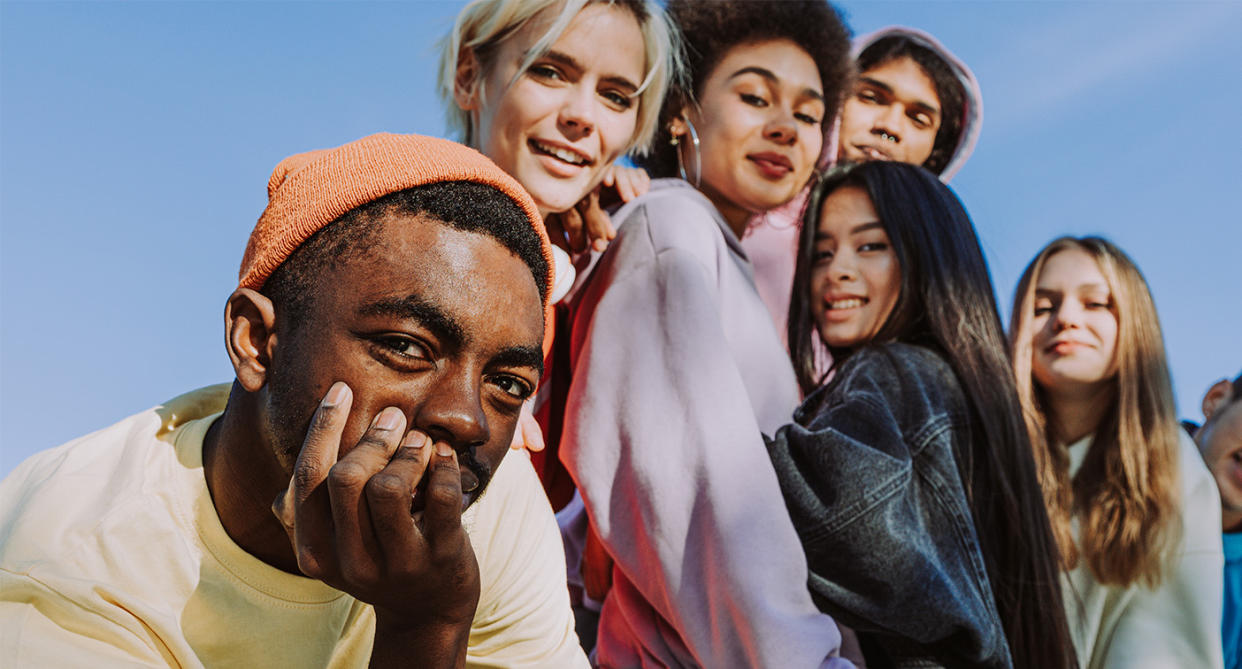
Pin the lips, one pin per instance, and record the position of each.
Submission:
(845, 303)
(771, 165)
(1064, 346)
(561, 153)
(873, 152)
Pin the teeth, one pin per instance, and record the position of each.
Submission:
(846, 304)
(565, 155)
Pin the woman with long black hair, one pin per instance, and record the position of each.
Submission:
(908, 474)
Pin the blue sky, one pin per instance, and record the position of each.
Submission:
(136, 139)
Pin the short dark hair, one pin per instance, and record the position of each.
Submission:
(1237, 388)
(463, 205)
(710, 29)
(948, 89)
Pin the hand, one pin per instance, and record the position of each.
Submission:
(350, 525)
(587, 224)
(528, 434)
(596, 566)
(628, 182)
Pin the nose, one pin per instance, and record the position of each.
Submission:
(452, 411)
(842, 268)
(888, 122)
(782, 128)
(1067, 315)
(577, 114)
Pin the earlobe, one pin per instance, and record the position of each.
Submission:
(250, 336)
(466, 81)
(1217, 396)
(677, 126)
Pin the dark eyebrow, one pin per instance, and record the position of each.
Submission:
(569, 61)
(520, 356)
(415, 308)
(863, 227)
(773, 79)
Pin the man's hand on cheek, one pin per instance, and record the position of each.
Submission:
(350, 526)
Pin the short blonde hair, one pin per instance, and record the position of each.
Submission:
(484, 24)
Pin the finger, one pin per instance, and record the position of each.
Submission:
(556, 231)
(442, 513)
(356, 546)
(571, 220)
(610, 176)
(625, 186)
(598, 222)
(390, 494)
(304, 509)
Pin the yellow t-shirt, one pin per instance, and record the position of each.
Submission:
(111, 554)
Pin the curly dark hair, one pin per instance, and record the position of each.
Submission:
(710, 28)
(948, 88)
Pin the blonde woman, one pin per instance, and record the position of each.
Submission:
(1134, 511)
(554, 92)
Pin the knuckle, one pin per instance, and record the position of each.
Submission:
(387, 486)
(346, 475)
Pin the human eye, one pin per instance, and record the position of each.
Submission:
(401, 351)
(545, 72)
(753, 100)
(921, 120)
(868, 95)
(1043, 307)
(807, 118)
(617, 99)
(821, 255)
(512, 386)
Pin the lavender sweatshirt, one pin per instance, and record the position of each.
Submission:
(676, 371)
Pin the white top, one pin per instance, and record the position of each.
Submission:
(1175, 626)
(111, 555)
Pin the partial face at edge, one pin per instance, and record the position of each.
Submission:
(894, 114)
(1220, 443)
(1073, 324)
(443, 324)
(855, 275)
(760, 126)
(573, 111)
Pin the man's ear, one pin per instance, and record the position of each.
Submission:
(466, 81)
(250, 336)
(1217, 397)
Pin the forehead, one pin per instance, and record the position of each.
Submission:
(906, 78)
(845, 208)
(1069, 269)
(793, 66)
(469, 275)
(600, 34)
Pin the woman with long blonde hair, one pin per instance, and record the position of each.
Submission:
(1133, 509)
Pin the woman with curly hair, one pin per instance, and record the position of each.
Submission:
(677, 370)
(1134, 511)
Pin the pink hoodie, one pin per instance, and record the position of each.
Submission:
(771, 239)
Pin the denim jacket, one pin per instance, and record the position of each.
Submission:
(870, 477)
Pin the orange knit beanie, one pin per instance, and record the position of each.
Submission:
(309, 190)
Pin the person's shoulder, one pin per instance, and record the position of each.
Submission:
(673, 214)
(897, 364)
(513, 494)
(1198, 488)
(63, 496)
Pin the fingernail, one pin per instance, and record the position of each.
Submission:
(388, 419)
(444, 450)
(414, 439)
(336, 394)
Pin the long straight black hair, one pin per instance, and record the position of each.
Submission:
(947, 303)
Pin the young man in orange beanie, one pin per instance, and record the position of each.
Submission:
(344, 501)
